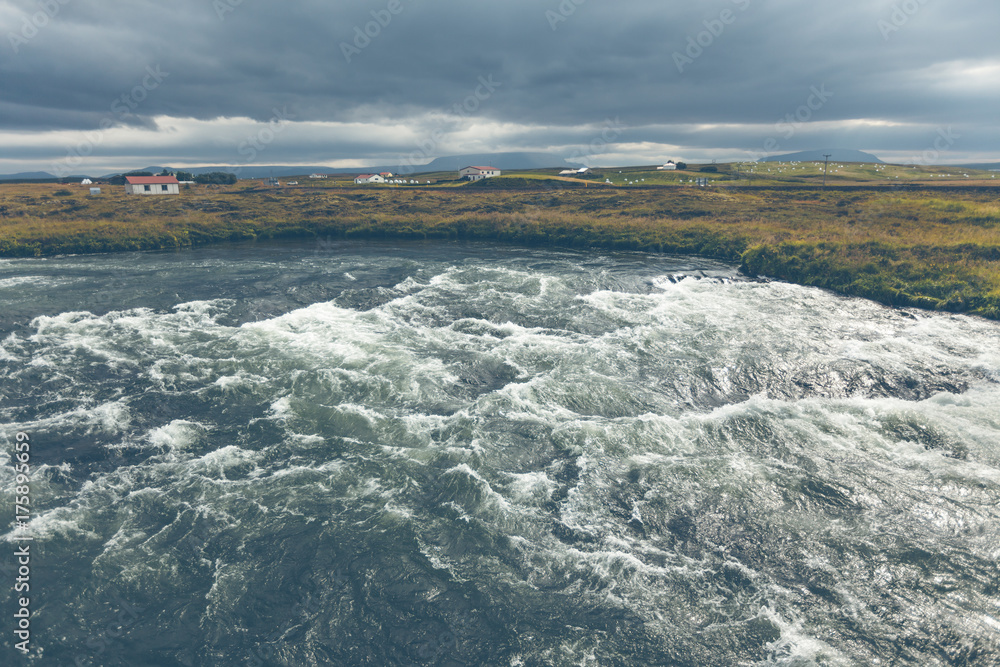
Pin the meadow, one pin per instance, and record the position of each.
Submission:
(933, 244)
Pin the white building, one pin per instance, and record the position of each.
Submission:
(669, 166)
(369, 178)
(478, 173)
(86, 181)
(315, 176)
(152, 185)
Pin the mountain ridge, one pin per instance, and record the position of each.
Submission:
(836, 155)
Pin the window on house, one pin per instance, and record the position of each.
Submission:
(146, 188)
(163, 188)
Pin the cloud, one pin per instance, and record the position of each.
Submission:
(369, 82)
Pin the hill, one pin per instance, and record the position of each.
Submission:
(27, 176)
(836, 155)
(505, 161)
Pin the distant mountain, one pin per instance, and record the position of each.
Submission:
(836, 155)
(498, 160)
(244, 172)
(26, 176)
(990, 166)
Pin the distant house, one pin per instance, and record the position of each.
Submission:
(318, 176)
(152, 185)
(369, 178)
(669, 166)
(86, 181)
(478, 173)
(386, 174)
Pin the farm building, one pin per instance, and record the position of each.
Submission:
(478, 173)
(369, 178)
(152, 185)
(669, 166)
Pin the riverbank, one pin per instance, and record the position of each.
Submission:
(934, 248)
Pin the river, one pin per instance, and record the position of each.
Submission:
(342, 453)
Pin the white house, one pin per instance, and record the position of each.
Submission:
(478, 173)
(152, 185)
(669, 166)
(86, 181)
(315, 176)
(369, 178)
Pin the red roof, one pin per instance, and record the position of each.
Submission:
(151, 180)
(484, 168)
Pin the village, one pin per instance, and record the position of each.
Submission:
(671, 173)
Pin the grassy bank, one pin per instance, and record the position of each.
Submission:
(931, 248)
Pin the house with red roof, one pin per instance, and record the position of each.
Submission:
(478, 173)
(152, 185)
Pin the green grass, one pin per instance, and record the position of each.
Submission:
(936, 248)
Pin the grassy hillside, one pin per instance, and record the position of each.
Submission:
(934, 248)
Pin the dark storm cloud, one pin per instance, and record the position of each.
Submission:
(559, 67)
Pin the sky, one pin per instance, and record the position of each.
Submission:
(89, 87)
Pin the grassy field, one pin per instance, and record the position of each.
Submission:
(930, 247)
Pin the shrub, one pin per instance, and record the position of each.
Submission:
(216, 178)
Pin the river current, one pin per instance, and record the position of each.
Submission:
(346, 453)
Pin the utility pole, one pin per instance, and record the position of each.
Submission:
(825, 165)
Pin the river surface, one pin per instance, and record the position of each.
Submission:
(468, 454)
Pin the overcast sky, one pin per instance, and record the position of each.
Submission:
(87, 87)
